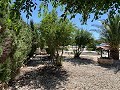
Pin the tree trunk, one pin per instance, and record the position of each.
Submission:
(78, 52)
(76, 55)
(114, 53)
(57, 59)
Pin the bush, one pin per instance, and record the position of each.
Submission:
(90, 49)
(5, 71)
(21, 46)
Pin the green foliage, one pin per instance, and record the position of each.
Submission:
(111, 30)
(23, 46)
(5, 71)
(64, 32)
(15, 39)
(34, 40)
(20, 38)
(92, 45)
(85, 8)
(82, 38)
(110, 33)
(40, 39)
(56, 32)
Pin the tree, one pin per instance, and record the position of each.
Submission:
(56, 33)
(85, 8)
(82, 38)
(15, 42)
(63, 36)
(34, 40)
(15, 45)
(110, 33)
(47, 29)
(92, 45)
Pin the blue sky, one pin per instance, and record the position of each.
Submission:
(75, 20)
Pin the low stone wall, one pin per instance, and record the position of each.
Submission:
(105, 61)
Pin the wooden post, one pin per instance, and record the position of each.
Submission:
(101, 52)
(108, 54)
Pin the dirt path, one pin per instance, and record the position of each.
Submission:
(75, 74)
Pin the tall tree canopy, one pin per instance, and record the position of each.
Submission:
(86, 7)
(72, 7)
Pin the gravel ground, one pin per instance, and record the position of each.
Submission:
(75, 74)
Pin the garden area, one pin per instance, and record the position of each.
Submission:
(79, 74)
(56, 54)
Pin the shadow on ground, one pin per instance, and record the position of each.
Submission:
(115, 67)
(46, 78)
(80, 61)
(37, 61)
(34, 63)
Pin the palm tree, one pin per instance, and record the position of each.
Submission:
(111, 34)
